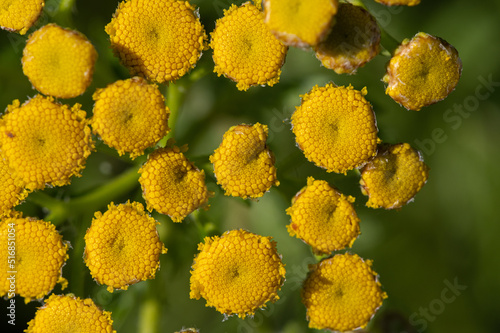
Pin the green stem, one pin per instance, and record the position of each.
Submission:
(388, 42)
(63, 15)
(148, 316)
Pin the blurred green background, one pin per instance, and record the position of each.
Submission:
(437, 257)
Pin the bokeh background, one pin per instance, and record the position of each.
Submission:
(438, 257)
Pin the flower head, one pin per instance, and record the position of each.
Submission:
(237, 273)
(122, 246)
(335, 127)
(341, 293)
(20, 15)
(353, 41)
(11, 193)
(244, 49)
(300, 23)
(243, 164)
(37, 256)
(323, 217)
(59, 62)
(130, 115)
(68, 313)
(422, 71)
(393, 177)
(399, 2)
(45, 142)
(160, 40)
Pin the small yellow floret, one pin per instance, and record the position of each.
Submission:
(245, 50)
(394, 176)
(61, 314)
(59, 62)
(19, 15)
(341, 293)
(399, 2)
(335, 127)
(237, 273)
(423, 71)
(243, 164)
(10, 192)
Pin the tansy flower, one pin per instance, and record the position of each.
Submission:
(341, 293)
(158, 39)
(237, 273)
(422, 71)
(59, 62)
(10, 192)
(244, 49)
(335, 127)
(45, 142)
(130, 115)
(188, 330)
(31, 264)
(323, 217)
(394, 176)
(19, 15)
(243, 164)
(68, 313)
(172, 185)
(300, 23)
(399, 2)
(353, 41)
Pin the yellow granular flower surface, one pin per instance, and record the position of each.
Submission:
(45, 142)
(323, 217)
(394, 176)
(172, 185)
(399, 2)
(300, 23)
(353, 41)
(237, 273)
(422, 71)
(335, 127)
(10, 192)
(122, 246)
(160, 40)
(243, 164)
(67, 313)
(245, 50)
(19, 15)
(32, 252)
(59, 62)
(130, 115)
(341, 293)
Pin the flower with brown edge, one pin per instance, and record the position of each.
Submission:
(188, 330)
(130, 115)
(422, 71)
(353, 41)
(35, 257)
(341, 293)
(300, 23)
(244, 49)
(59, 62)
(399, 2)
(393, 177)
(243, 164)
(323, 217)
(160, 40)
(67, 313)
(335, 127)
(19, 16)
(11, 193)
(237, 273)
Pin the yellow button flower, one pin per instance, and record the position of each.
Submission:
(160, 40)
(68, 313)
(45, 142)
(130, 115)
(394, 176)
(19, 15)
(32, 256)
(243, 164)
(323, 217)
(244, 49)
(399, 2)
(335, 127)
(122, 246)
(172, 185)
(300, 23)
(237, 273)
(11, 193)
(59, 62)
(422, 71)
(353, 41)
(341, 293)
